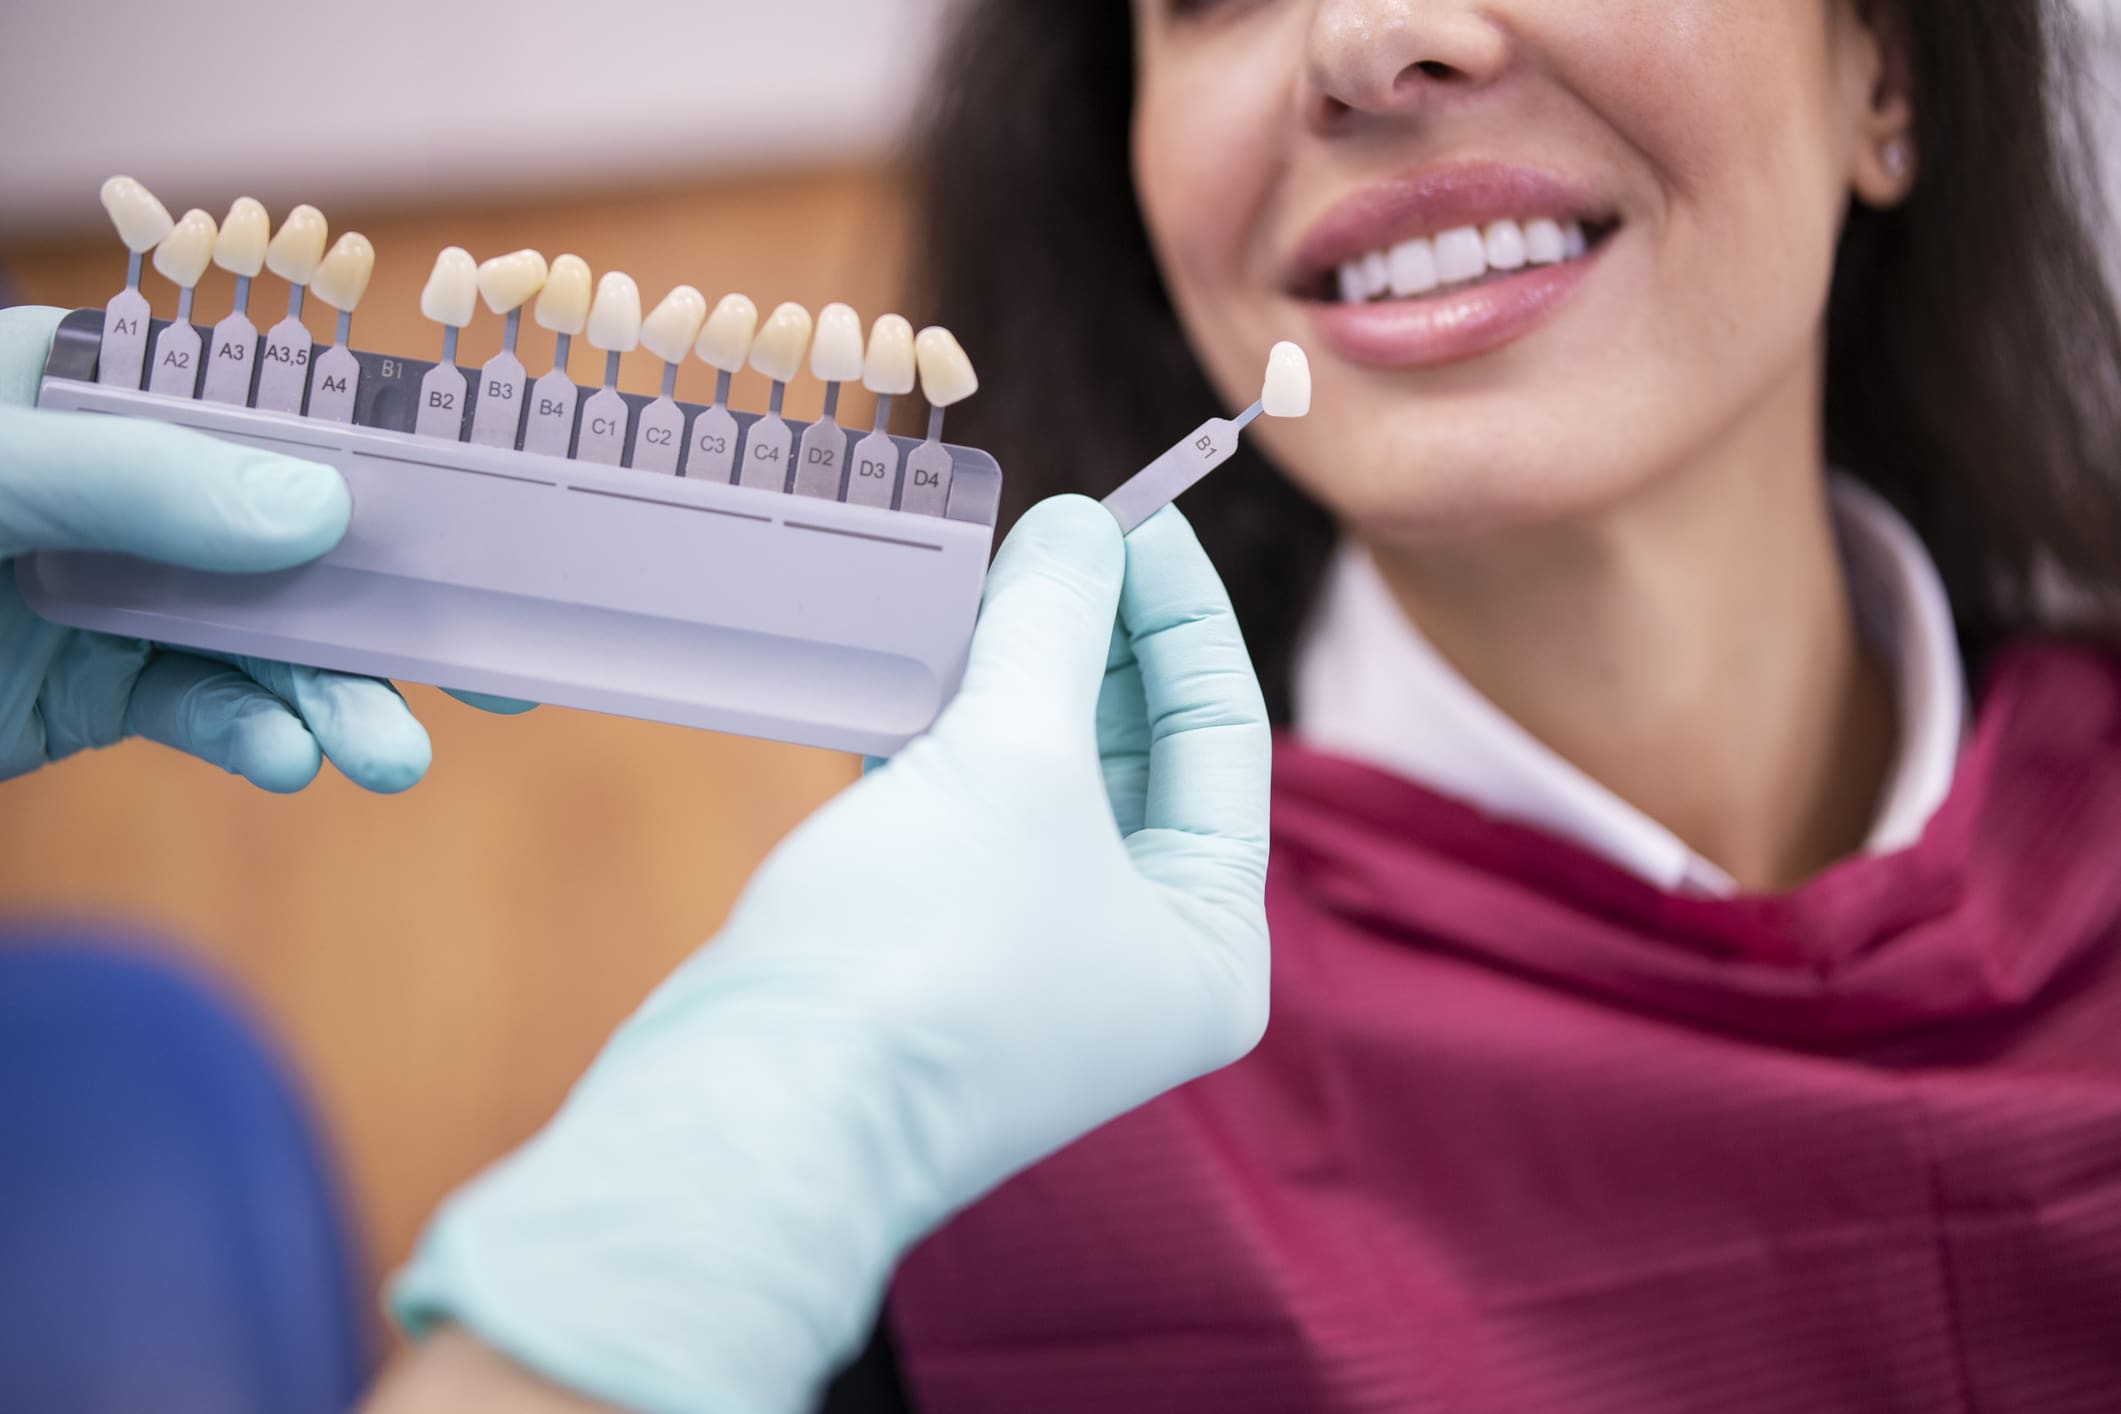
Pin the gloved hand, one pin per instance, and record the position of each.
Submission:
(72, 481)
(1040, 915)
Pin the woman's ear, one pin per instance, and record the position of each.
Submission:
(1882, 158)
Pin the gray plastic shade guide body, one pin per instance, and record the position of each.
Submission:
(487, 569)
(602, 437)
(500, 406)
(229, 361)
(710, 455)
(125, 321)
(283, 367)
(658, 438)
(548, 421)
(817, 460)
(441, 412)
(926, 486)
(334, 385)
(873, 477)
(175, 370)
(765, 465)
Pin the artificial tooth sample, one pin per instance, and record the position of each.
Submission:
(888, 372)
(294, 254)
(724, 344)
(142, 222)
(506, 283)
(563, 307)
(1542, 242)
(340, 281)
(239, 248)
(615, 327)
(1284, 392)
(835, 358)
(777, 352)
(667, 332)
(182, 257)
(1461, 255)
(946, 380)
(1287, 389)
(450, 298)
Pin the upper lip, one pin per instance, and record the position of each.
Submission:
(1432, 199)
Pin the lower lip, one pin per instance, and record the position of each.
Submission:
(1436, 329)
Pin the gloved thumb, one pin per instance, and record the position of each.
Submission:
(1045, 622)
(77, 481)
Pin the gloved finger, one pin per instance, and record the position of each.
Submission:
(218, 714)
(1046, 618)
(1211, 750)
(79, 481)
(25, 342)
(487, 702)
(1123, 734)
(362, 724)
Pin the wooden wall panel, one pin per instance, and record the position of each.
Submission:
(440, 965)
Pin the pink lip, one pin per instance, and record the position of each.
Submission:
(1444, 328)
(1426, 202)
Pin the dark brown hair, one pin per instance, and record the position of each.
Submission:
(1974, 354)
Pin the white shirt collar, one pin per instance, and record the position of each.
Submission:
(1370, 687)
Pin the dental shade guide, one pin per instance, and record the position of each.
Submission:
(835, 358)
(946, 379)
(1286, 393)
(239, 248)
(501, 546)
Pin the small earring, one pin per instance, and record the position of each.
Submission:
(1897, 158)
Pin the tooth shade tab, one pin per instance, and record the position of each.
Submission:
(451, 296)
(615, 315)
(341, 278)
(946, 373)
(1287, 390)
(1461, 254)
(674, 323)
(183, 255)
(1542, 242)
(239, 248)
(563, 301)
(1413, 268)
(726, 341)
(1504, 243)
(836, 354)
(141, 220)
(297, 246)
(507, 282)
(888, 370)
(778, 350)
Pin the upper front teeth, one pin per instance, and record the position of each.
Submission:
(1456, 256)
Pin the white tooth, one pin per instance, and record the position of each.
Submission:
(1376, 274)
(451, 296)
(184, 252)
(946, 373)
(615, 315)
(240, 247)
(1573, 243)
(1351, 286)
(1542, 242)
(888, 370)
(726, 341)
(1505, 245)
(1460, 255)
(1287, 392)
(836, 353)
(778, 350)
(297, 246)
(506, 282)
(342, 277)
(141, 220)
(674, 323)
(1413, 268)
(563, 304)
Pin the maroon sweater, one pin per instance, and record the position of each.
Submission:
(1529, 1134)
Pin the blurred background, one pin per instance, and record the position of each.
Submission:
(437, 967)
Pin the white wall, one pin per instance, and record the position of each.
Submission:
(202, 99)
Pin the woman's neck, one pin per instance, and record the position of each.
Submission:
(1693, 650)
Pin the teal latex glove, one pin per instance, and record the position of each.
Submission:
(73, 481)
(1040, 915)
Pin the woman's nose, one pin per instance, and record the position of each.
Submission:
(1393, 57)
